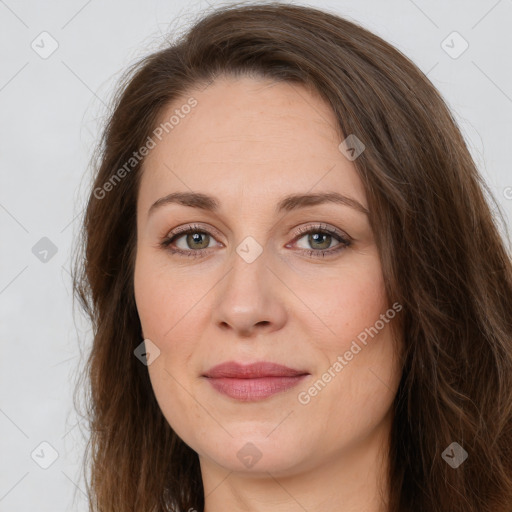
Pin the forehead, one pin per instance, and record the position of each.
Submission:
(253, 137)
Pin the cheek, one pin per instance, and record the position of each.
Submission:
(367, 371)
(162, 297)
(147, 294)
(354, 338)
(171, 311)
(347, 303)
(162, 302)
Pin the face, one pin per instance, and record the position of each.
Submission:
(262, 278)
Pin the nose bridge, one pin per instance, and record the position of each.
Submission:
(247, 281)
(247, 299)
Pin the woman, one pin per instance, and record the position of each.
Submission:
(300, 297)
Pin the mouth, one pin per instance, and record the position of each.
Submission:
(255, 381)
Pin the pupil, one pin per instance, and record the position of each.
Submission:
(195, 238)
(315, 239)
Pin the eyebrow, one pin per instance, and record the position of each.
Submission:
(288, 203)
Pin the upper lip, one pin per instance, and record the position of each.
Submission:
(234, 370)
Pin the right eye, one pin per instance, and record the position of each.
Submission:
(195, 241)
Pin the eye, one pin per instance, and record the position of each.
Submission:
(190, 240)
(193, 240)
(319, 239)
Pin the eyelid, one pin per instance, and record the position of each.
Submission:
(321, 226)
(206, 228)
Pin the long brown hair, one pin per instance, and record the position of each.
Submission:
(442, 256)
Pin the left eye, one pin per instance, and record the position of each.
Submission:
(319, 240)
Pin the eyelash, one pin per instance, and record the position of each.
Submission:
(321, 228)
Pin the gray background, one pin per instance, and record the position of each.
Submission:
(52, 109)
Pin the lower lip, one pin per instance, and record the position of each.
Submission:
(247, 390)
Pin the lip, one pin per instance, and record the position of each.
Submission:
(234, 370)
(255, 381)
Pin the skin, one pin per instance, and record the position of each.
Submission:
(249, 142)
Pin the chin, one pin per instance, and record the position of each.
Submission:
(256, 454)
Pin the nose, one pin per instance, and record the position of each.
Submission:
(250, 299)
